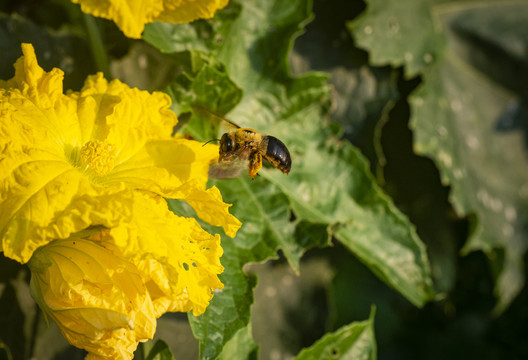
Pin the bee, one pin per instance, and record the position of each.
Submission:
(247, 145)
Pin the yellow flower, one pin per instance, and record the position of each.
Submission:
(105, 289)
(82, 152)
(131, 16)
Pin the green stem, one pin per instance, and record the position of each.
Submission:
(34, 331)
(140, 352)
(6, 350)
(96, 43)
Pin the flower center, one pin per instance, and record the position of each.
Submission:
(98, 156)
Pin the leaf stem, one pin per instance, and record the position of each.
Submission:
(6, 350)
(34, 331)
(140, 351)
(96, 44)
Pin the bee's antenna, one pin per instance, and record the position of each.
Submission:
(210, 141)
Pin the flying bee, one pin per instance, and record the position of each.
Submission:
(248, 144)
(243, 145)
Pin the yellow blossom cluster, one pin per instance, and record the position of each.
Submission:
(83, 177)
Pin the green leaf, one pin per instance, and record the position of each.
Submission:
(160, 351)
(355, 341)
(329, 188)
(391, 35)
(203, 81)
(465, 120)
(359, 214)
(240, 346)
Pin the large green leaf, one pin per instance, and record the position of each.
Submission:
(402, 33)
(329, 187)
(160, 351)
(462, 115)
(355, 341)
(356, 210)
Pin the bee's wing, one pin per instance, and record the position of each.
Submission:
(223, 124)
(228, 170)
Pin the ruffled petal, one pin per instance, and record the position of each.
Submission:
(39, 132)
(42, 88)
(125, 117)
(129, 16)
(35, 99)
(187, 11)
(66, 213)
(187, 255)
(210, 207)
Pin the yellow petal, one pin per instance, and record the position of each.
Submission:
(96, 297)
(55, 210)
(31, 204)
(210, 207)
(187, 11)
(131, 16)
(125, 117)
(163, 166)
(40, 87)
(34, 99)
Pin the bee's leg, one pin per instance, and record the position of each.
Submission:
(255, 163)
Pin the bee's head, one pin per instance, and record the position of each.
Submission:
(227, 143)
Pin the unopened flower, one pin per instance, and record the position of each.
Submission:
(131, 16)
(96, 297)
(106, 288)
(84, 151)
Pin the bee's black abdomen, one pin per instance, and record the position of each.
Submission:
(278, 155)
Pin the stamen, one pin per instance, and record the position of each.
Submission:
(99, 156)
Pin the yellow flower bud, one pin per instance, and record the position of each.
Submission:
(97, 298)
